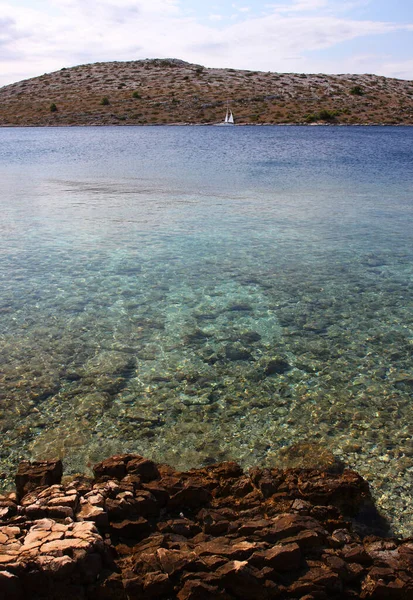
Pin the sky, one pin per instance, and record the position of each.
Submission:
(302, 36)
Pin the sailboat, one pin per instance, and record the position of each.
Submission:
(229, 118)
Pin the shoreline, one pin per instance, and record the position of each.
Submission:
(141, 529)
(94, 125)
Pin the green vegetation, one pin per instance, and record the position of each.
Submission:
(357, 90)
(323, 115)
(136, 95)
(53, 107)
(105, 101)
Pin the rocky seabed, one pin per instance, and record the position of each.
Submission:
(142, 530)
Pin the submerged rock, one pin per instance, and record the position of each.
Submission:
(237, 352)
(275, 366)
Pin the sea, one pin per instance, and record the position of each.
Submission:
(199, 294)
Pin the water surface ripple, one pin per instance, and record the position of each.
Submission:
(197, 294)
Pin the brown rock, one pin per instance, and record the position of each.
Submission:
(406, 556)
(144, 468)
(8, 508)
(31, 475)
(113, 467)
(354, 572)
(347, 490)
(338, 565)
(238, 578)
(59, 512)
(191, 496)
(341, 536)
(132, 529)
(57, 566)
(215, 523)
(133, 587)
(224, 470)
(356, 553)
(223, 547)
(159, 493)
(207, 533)
(282, 558)
(10, 586)
(195, 589)
(306, 540)
(323, 577)
(60, 547)
(377, 588)
(183, 527)
(383, 553)
(157, 585)
(90, 512)
(212, 562)
(127, 505)
(286, 525)
(245, 527)
(174, 561)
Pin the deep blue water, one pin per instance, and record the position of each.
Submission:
(152, 275)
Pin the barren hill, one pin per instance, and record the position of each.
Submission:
(160, 91)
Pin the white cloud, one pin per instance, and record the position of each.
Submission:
(401, 69)
(302, 6)
(78, 32)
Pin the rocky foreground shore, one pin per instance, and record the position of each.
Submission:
(141, 530)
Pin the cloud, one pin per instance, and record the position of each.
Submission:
(74, 32)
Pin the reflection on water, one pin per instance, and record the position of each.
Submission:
(197, 296)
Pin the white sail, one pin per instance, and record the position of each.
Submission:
(229, 118)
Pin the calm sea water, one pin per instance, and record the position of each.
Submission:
(202, 293)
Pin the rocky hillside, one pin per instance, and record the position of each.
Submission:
(173, 91)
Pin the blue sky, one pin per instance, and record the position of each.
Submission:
(305, 36)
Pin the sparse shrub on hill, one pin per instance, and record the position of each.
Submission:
(322, 115)
(357, 90)
(53, 107)
(180, 89)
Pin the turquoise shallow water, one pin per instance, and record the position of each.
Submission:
(198, 294)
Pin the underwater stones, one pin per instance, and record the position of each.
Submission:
(240, 307)
(196, 400)
(234, 352)
(306, 455)
(249, 337)
(109, 363)
(196, 336)
(92, 404)
(246, 406)
(276, 365)
(61, 440)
